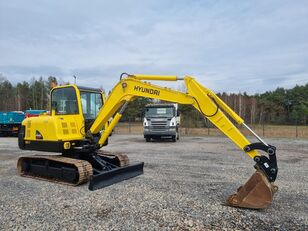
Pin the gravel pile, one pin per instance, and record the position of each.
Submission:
(183, 187)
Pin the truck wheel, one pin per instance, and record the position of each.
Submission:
(173, 138)
(147, 139)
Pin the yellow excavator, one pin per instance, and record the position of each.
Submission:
(77, 129)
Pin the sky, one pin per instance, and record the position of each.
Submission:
(231, 46)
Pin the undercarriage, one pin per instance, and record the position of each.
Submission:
(101, 169)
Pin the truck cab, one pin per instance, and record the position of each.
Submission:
(161, 121)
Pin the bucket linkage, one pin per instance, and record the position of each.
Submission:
(258, 191)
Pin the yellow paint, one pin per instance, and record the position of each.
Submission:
(108, 130)
(67, 145)
(154, 77)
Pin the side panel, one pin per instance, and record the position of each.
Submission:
(53, 128)
(10, 122)
(11, 117)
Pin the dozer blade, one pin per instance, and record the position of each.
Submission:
(115, 175)
(256, 193)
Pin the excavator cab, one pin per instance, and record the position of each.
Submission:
(64, 101)
(73, 110)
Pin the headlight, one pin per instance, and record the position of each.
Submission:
(146, 129)
(171, 129)
(145, 122)
(172, 122)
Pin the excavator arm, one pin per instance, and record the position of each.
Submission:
(259, 190)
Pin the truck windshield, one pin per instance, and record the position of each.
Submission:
(159, 112)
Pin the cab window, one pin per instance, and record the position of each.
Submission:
(91, 103)
(64, 101)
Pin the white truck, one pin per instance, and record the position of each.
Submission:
(161, 121)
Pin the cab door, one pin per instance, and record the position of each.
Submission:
(91, 103)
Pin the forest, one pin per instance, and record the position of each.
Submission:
(281, 106)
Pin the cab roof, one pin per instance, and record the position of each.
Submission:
(81, 88)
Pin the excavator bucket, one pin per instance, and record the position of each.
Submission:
(256, 193)
(115, 175)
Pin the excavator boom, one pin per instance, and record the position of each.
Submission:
(258, 191)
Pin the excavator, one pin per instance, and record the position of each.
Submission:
(79, 125)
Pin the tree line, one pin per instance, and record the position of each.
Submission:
(25, 95)
(281, 106)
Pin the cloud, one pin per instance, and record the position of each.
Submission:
(250, 46)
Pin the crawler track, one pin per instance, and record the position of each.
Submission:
(65, 170)
(55, 168)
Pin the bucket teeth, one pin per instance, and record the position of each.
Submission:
(256, 193)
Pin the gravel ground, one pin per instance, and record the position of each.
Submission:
(183, 188)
